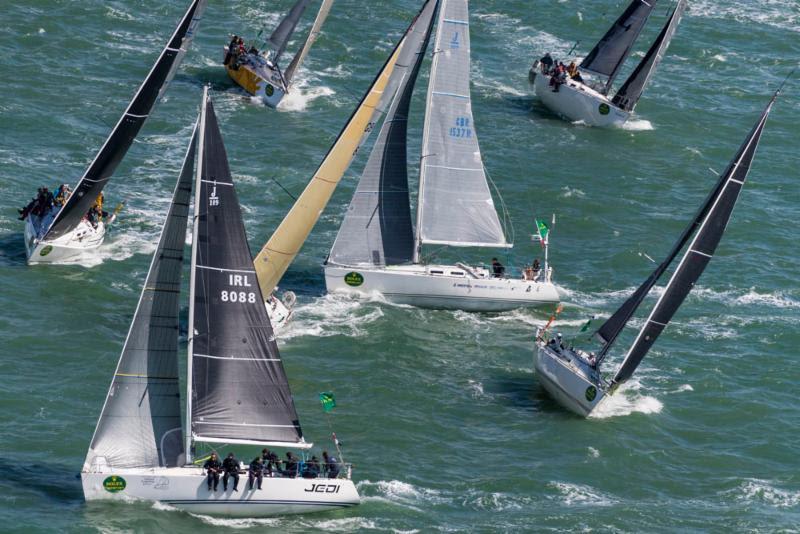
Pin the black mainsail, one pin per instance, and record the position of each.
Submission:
(119, 141)
(709, 229)
(630, 92)
(608, 55)
(377, 227)
(238, 390)
(281, 35)
(140, 424)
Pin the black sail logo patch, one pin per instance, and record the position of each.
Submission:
(353, 279)
(114, 483)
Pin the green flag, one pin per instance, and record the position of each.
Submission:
(543, 230)
(585, 327)
(327, 400)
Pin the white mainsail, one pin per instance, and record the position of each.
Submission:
(455, 204)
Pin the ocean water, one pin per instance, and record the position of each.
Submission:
(440, 411)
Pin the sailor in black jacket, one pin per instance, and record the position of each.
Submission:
(213, 469)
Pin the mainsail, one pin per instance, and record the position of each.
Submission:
(608, 55)
(455, 204)
(298, 58)
(285, 243)
(238, 390)
(281, 35)
(377, 227)
(630, 92)
(700, 250)
(119, 141)
(140, 425)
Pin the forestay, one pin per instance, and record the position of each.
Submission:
(119, 141)
(288, 238)
(455, 204)
(298, 58)
(281, 35)
(630, 92)
(610, 52)
(140, 425)
(377, 228)
(699, 252)
(238, 391)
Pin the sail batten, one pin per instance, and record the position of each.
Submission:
(630, 92)
(608, 55)
(283, 32)
(455, 204)
(238, 386)
(143, 408)
(699, 252)
(121, 137)
(298, 58)
(377, 227)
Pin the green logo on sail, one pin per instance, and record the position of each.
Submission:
(113, 484)
(269, 90)
(591, 393)
(46, 250)
(604, 109)
(353, 279)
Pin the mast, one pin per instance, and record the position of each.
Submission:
(284, 244)
(455, 206)
(699, 252)
(281, 35)
(298, 58)
(630, 92)
(193, 277)
(377, 227)
(608, 55)
(121, 137)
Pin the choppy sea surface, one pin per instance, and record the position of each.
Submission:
(440, 411)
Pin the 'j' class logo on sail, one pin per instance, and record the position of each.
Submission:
(353, 279)
(454, 43)
(114, 483)
(213, 199)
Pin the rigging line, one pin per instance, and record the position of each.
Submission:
(284, 189)
(507, 222)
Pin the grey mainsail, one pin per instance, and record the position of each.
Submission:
(608, 55)
(699, 252)
(238, 392)
(140, 424)
(377, 228)
(630, 92)
(281, 35)
(119, 141)
(455, 205)
(298, 58)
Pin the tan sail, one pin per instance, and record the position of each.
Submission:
(285, 243)
(322, 14)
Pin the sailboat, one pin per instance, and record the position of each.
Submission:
(592, 103)
(260, 74)
(283, 246)
(237, 391)
(63, 232)
(377, 249)
(572, 376)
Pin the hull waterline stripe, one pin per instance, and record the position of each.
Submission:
(262, 502)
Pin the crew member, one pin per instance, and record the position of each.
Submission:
(497, 268)
(546, 62)
(311, 469)
(231, 467)
(255, 472)
(213, 469)
(330, 465)
(290, 471)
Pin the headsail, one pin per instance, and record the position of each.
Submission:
(455, 204)
(238, 390)
(298, 58)
(699, 252)
(140, 425)
(377, 227)
(123, 134)
(628, 95)
(288, 238)
(608, 55)
(281, 35)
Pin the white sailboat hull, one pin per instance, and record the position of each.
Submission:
(84, 237)
(185, 488)
(421, 285)
(578, 102)
(568, 379)
(280, 309)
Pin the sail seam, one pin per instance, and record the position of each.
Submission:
(450, 94)
(454, 21)
(235, 358)
(701, 253)
(223, 269)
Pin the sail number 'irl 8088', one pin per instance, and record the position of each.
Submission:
(238, 280)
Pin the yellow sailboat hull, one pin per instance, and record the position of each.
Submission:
(264, 82)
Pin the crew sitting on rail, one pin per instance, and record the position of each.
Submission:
(39, 205)
(498, 271)
(96, 214)
(546, 63)
(330, 465)
(62, 195)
